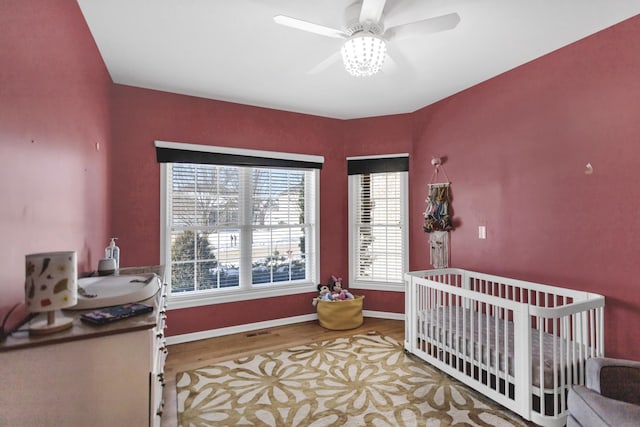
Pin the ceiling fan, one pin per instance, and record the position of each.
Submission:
(364, 49)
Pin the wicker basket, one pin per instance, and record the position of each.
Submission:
(340, 315)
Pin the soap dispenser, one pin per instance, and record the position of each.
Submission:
(112, 251)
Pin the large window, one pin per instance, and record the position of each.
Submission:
(233, 230)
(378, 244)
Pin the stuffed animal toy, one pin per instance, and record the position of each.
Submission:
(332, 281)
(324, 294)
(338, 293)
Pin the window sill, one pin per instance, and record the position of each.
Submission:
(221, 296)
(377, 286)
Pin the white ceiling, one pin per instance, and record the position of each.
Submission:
(232, 50)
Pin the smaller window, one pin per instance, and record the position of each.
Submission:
(378, 243)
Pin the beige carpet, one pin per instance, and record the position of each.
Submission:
(364, 380)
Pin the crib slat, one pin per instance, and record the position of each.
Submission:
(487, 352)
(433, 331)
(583, 343)
(576, 349)
(472, 334)
(601, 331)
(438, 335)
(464, 331)
(450, 310)
(555, 364)
(505, 353)
(563, 342)
(496, 362)
(593, 332)
(541, 365)
(456, 302)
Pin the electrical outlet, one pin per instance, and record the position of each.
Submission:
(482, 232)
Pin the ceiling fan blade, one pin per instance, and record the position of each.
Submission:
(423, 27)
(390, 65)
(372, 11)
(398, 63)
(333, 58)
(310, 27)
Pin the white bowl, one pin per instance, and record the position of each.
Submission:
(105, 291)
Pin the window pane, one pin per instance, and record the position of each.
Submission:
(182, 277)
(225, 244)
(277, 255)
(206, 277)
(204, 195)
(193, 261)
(278, 197)
(206, 204)
(278, 216)
(183, 246)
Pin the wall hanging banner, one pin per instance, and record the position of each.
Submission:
(437, 216)
(439, 249)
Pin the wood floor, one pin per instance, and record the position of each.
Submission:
(201, 353)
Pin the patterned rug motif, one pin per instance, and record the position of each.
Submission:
(362, 380)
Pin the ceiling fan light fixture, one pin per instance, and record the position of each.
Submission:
(363, 54)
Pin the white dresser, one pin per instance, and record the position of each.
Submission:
(108, 375)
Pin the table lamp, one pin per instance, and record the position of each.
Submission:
(51, 284)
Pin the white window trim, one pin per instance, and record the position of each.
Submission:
(404, 222)
(378, 156)
(224, 295)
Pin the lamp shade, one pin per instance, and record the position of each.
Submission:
(363, 54)
(51, 283)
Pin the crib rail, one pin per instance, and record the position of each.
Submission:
(520, 343)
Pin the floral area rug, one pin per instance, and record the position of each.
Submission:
(362, 380)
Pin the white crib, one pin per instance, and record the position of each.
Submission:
(519, 343)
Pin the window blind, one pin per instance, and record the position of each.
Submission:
(379, 245)
(377, 199)
(378, 164)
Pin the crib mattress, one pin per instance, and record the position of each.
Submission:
(441, 325)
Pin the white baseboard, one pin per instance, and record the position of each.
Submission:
(212, 333)
(383, 315)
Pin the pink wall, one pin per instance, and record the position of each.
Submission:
(54, 95)
(517, 147)
(375, 136)
(141, 116)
